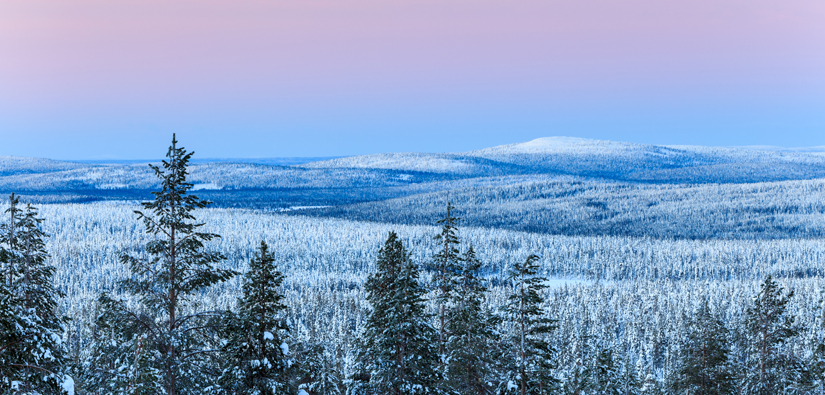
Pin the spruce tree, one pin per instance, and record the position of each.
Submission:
(178, 340)
(32, 352)
(606, 376)
(705, 367)
(770, 369)
(531, 357)
(447, 266)
(256, 349)
(471, 336)
(397, 353)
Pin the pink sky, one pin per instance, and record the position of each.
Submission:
(70, 60)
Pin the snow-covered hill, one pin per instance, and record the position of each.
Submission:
(11, 165)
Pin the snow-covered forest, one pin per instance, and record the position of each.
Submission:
(640, 252)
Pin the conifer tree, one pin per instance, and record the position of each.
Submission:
(705, 368)
(579, 380)
(32, 352)
(447, 266)
(606, 375)
(531, 357)
(397, 353)
(178, 340)
(770, 369)
(256, 349)
(318, 370)
(471, 335)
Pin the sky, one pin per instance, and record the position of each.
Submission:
(102, 79)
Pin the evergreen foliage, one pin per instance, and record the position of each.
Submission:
(470, 363)
(705, 367)
(256, 349)
(398, 355)
(530, 359)
(606, 375)
(447, 266)
(32, 354)
(771, 369)
(173, 340)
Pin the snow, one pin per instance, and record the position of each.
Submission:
(302, 392)
(285, 348)
(208, 186)
(68, 385)
(268, 336)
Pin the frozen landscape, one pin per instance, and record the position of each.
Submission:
(633, 239)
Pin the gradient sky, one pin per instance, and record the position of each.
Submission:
(95, 79)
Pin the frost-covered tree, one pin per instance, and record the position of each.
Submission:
(398, 355)
(606, 375)
(771, 369)
(32, 351)
(470, 362)
(318, 372)
(530, 360)
(166, 279)
(705, 367)
(256, 350)
(447, 266)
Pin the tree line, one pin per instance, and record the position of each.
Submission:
(151, 336)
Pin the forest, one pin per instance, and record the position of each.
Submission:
(481, 273)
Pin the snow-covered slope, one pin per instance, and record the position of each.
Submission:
(11, 165)
(456, 164)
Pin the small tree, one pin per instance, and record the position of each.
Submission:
(531, 359)
(705, 367)
(398, 355)
(256, 348)
(606, 375)
(177, 339)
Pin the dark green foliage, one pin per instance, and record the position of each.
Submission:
(471, 337)
(176, 341)
(256, 349)
(530, 359)
(705, 367)
(31, 347)
(397, 355)
(579, 380)
(770, 369)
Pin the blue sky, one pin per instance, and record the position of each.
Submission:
(94, 79)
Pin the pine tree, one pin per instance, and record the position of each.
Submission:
(531, 358)
(471, 335)
(177, 339)
(770, 370)
(318, 370)
(397, 353)
(606, 375)
(256, 349)
(32, 353)
(705, 367)
(579, 377)
(447, 266)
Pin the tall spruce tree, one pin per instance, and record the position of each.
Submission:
(705, 366)
(256, 349)
(471, 336)
(770, 368)
(531, 357)
(32, 354)
(447, 266)
(175, 340)
(397, 353)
